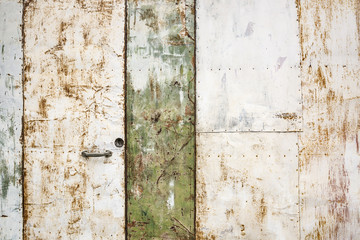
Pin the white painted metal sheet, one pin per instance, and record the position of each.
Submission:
(10, 120)
(248, 57)
(329, 146)
(248, 79)
(329, 154)
(74, 101)
(247, 186)
(329, 32)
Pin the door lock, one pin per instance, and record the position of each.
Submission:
(119, 142)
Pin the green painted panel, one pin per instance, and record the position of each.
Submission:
(160, 114)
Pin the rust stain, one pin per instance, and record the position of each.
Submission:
(326, 101)
(329, 142)
(329, 127)
(320, 80)
(262, 210)
(229, 213)
(320, 230)
(223, 167)
(76, 79)
(43, 108)
(232, 190)
(288, 116)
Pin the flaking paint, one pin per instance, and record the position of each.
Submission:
(10, 120)
(248, 73)
(65, 71)
(160, 120)
(74, 101)
(247, 186)
(328, 151)
(249, 111)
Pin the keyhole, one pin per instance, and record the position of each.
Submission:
(119, 142)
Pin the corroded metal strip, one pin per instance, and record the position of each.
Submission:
(10, 119)
(74, 101)
(160, 119)
(248, 58)
(329, 145)
(247, 186)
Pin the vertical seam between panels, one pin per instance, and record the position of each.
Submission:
(125, 117)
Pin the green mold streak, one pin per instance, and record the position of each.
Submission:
(160, 125)
(7, 138)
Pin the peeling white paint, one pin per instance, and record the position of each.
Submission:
(247, 186)
(10, 119)
(248, 91)
(171, 199)
(248, 79)
(248, 73)
(74, 101)
(329, 145)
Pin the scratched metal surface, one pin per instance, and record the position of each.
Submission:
(329, 145)
(247, 80)
(10, 119)
(160, 119)
(73, 101)
(248, 57)
(247, 186)
(249, 110)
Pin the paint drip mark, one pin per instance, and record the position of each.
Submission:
(280, 62)
(249, 29)
(171, 199)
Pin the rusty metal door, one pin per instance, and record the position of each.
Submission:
(74, 102)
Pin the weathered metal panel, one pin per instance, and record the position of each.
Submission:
(74, 101)
(10, 119)
(329, 149)
(247, 186)
(248, 57)
(160, 119)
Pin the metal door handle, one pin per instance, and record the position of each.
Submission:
(86, 154)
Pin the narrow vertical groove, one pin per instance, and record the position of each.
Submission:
(195, 115)
(299, 192)
(298, 4)
(125, 116)
(23, 120)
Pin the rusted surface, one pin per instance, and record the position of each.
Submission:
(329, 149)
(248, 80)
(160, 119)
(74, 101)
(248, 57)
(10, 120)
(248, 113)
(247, 186)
